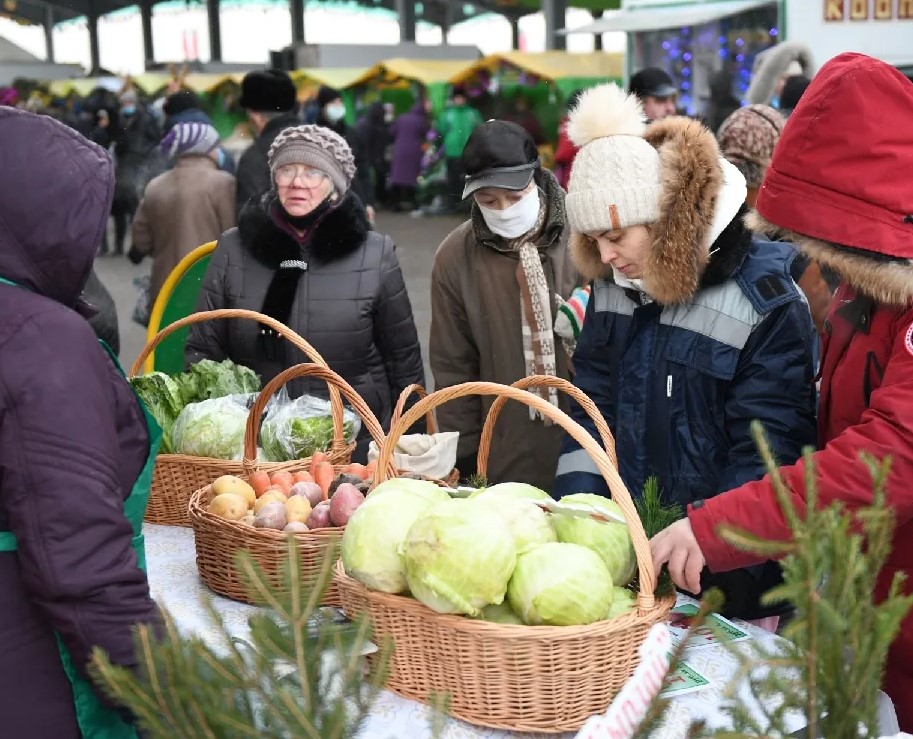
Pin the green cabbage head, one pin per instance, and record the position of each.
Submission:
(211, 428)
(624, 601)
(560, 585)
(528, 523)
(459, 557)
(611, 541)
(376, 531)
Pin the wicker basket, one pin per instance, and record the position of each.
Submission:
(218, 540)
(521, 678)
(453, 478)
(176, 476)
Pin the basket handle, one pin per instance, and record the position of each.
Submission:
(401, 406)
(336, 407)
(525, 383)
(335, 383)
(620, 494)
(280, 328)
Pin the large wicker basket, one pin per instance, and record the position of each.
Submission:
(453, 478)
(218, 540)
(176, 476)
(522, 678)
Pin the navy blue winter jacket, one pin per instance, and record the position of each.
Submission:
(680, 385)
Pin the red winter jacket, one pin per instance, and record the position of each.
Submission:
(564, 155)
(839, 186)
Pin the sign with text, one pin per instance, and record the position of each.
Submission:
(868, 10)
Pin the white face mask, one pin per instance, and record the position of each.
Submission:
(516, 220)
(336, 112)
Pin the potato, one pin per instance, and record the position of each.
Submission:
(277, 489)
(270, 496)
(259, 481)
(297, 527)
(228, 505)
(232, 484)
(248, 518)
(344, 502)
(297, 508)
(309, 490)
(320, 516)
(271, 516)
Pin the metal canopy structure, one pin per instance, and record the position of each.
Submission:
(443, 13)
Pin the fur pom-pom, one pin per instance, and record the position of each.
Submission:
(606, 110)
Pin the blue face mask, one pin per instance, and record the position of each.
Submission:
(220, 158)
(128, 110)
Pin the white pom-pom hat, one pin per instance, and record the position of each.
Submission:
(615, 182)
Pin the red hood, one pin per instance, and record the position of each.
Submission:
(842, 171)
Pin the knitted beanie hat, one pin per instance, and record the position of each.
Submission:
(615, 182)
(317, 147)
(189, 138)
(748, 136)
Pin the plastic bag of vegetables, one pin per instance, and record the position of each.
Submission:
(213, 428)
(295, 429)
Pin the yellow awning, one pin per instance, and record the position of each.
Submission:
(551, 65)
(336, 77)
(207, 82)
(423, 71)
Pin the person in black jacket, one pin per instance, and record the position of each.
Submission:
(305, 255)
(270, 99)
(332, 115)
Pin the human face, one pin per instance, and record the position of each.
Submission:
(301, 188)
(624, 249)
(497, 198)
(658, 108)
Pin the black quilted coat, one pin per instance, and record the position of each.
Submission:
(351, 304)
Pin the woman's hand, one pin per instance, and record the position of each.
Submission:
(677, 546)
(371, 213)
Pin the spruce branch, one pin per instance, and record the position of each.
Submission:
(300, 674)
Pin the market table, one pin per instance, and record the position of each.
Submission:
(177, 586)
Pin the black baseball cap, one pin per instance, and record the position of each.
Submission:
(652, 82)
(499, 154)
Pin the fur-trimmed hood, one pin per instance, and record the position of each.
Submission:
(691, 182)
(772, 64)
(342, 230)
(887, 279)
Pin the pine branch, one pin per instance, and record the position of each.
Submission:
(299, 675)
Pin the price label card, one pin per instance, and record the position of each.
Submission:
(715, 629)
(683, 679)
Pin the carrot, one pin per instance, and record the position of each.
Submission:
(359, 470)
(259, 481)
(303, 477)
(317, 458)
(370, 470)
(283, 479)
(323, 476)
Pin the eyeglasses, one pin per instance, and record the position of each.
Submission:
(288, 173)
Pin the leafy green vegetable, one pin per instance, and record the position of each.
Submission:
(167, 396)
(299, 438)
(208, 379)
(211, 428)
(162, 396)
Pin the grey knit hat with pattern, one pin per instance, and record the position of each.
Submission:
(317, 147)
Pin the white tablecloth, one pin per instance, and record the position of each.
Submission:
(177, 586)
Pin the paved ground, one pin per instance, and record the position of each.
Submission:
(416, 239)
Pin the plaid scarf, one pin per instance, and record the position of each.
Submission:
(536, 310)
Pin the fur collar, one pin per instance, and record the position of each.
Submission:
(887, 279)
(691, 180)
(341, 231)
(555, 217)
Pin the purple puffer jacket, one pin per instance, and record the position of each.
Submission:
(72, 435)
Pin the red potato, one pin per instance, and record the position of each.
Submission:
(344, 502)
(309, 490)
(320, 516)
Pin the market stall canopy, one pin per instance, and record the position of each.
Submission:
(656, 18)
(424, 71)
(550, 65)
(336, 77)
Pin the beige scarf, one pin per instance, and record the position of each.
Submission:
(536, 310)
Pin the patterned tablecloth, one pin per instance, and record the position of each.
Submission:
(176, 585)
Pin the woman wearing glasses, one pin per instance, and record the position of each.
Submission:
(306, 256)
